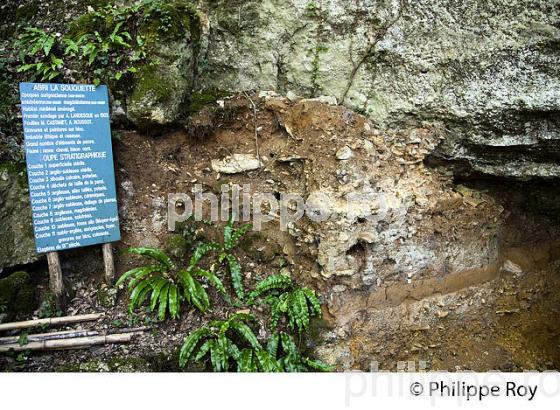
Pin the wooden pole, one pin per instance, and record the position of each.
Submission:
(49, 321)
(75, 343)
(109, 263)
(55, 279)
(65, 334)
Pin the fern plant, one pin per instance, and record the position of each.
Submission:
(231, 238)
(227, 344)
(297, 304)
(167, 285)
(37, 46)
(108, 55)
(282, 348)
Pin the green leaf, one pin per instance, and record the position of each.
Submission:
(136, 293)
(237, 234)
(245, 332)
(318, 365)
(202, 302)
(200, 251)
(154, 253)
(190, 343)
(128, 274)
(288, 344)
(236, 276)
(212, 279)
(273, 282)
(245, 363)
(163, 301)
(142, 274)
(297, 310)
(218, 357)
(203, 351)
(222, 348)
(272, 344)
(156, 289)
(47, 45)
(173, 301)
(228, 231)
(266, 362)
(313, 301)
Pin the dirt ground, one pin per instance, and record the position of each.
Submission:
(492, 318)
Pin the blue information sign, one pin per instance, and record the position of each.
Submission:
(69, 165)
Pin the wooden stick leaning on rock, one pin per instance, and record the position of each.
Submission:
(74, 343)
(50, 321)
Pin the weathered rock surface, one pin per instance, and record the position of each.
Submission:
(17, 244)
(160, 96)
(488, 71)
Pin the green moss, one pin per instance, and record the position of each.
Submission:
(168, 21)
(176, 245)
(17, 294)
(151, 85)
(85, 24)
(201, 99)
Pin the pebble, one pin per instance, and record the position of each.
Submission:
(344, 153)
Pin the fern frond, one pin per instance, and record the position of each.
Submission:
(200, 298)
(236, 276)
(298, 313)
(288, 344)
(137, 292)
(212, 279)
(246, 333)
(266, 362)
(174, 299)
(272, 344)
(156, 289)
(273, 282)
(163, 300)
(228, 231)
(318, 365)
(236, 235)
(142, 274)
(313, 301)
(200, 251)
(218, 357)
(245, 317)
(279, 306)
(190, 343)
(129, 274)
(156, 254)
(233, 351)
(246, 363)
(203, 351)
